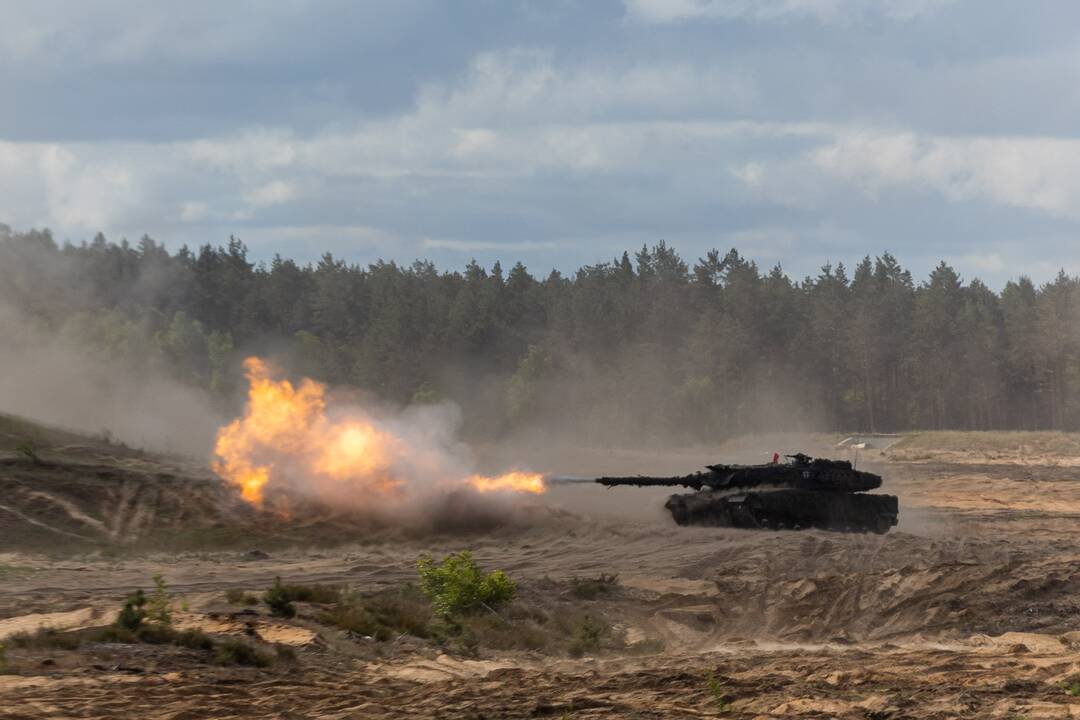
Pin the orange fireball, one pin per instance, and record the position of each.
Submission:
(286, 440)
(515, 481)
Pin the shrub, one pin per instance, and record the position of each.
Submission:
(159, 604)
(491, 631)
(151, 634)
(155, 634)
(592, 588)
(458, 585)
(277, 599)
(588, 635)
(193, 639)
(324, 594)
(401, 611)
(133, 613)
(238, 652)
(28, 451)
(716, 689)
(46, 638)
(238, 597)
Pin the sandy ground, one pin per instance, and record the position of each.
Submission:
(970, 608)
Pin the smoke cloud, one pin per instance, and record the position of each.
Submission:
(54, 377)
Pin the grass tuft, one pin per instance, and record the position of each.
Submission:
(45, 639)
(236, 596)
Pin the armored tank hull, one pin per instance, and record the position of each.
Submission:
(803, 493)
(787, 510)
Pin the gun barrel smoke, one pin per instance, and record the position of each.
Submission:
(568, 480)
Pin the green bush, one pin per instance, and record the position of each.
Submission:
(278, 600)
(28, 451)
(133, 613)
(238, 652)
(159, 604)
(458, 585)
(588, 635)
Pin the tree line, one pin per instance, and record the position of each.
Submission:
(645, 346)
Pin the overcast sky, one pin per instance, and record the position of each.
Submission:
(553, 132)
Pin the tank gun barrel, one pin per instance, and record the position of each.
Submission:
(568, 480)
(694, 480)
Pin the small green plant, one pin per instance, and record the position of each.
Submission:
(716, 689)
(238, 652)
(159, 604)
(27, 450)
(1073, 689)
(588, 635)
(133, 613)
(278, 600)
(458, 585)
(592, 588)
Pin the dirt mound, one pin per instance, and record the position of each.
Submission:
(59, 489)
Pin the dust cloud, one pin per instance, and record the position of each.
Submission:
(50, 376)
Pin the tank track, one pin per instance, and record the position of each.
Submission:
(788, 509)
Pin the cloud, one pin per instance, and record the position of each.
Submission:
(1041, 174)
(825, 11)
(193, 211)
(114, 32)
(569, 159)
(58, 184)
(272, 193)
(467, 246)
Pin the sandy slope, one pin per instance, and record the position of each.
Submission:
(969, 609)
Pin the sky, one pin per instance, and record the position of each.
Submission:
(554, 132)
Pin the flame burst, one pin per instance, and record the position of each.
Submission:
(286, 438)
(516, 481)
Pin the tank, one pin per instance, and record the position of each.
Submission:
(804, 492)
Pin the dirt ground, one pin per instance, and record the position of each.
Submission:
(970, 608)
